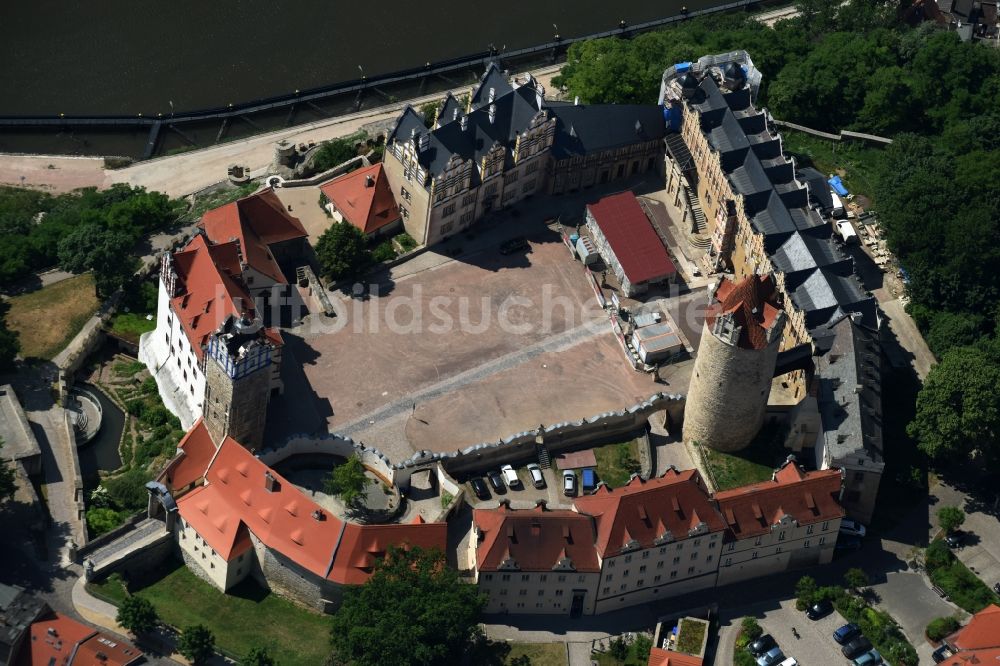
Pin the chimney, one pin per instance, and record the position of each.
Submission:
(270, 483)
(424, 143)
(454, 113)
(493, 95)
(464, 123)
(369, 181)
(638, 127)
(539, 95)
(493, 113)
(318, 515)
(413, 133)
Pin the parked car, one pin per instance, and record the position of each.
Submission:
(848, 542)
(870, 658)
(818, 610)
(513, 245)
(852, 527)
(856, 647)
(479, 487)
(789, 662)
(762, 645)
(496, 481)
(510, 476)
(941, 654)
(569, 483)
(955, 539)
(846, 633)
(772, 657)
(536, 475)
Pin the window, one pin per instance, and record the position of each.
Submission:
(756, 541)
(642, 569)
(503, 592)
(611, 564)
(527, 187)
(609, 577)
(690, 570)
(405, 213)
(487, 577)
(445, 228)
(781, 535)
(825, 526)
(405, 193)
(448, 210)
(562, 579)
(625, 573)
(541, 593)
(559, 593)
(531, 168)
(523, 593)
(732, 547)
(639, 582)
(777, 550)
(809, 529)
(859, 477)
(708, 559)
(656, 579)
(508, 195)
(673, 574)
(680, 546)
(505, 577)
(806, 544)
(663, 549)
(468, 200)
(543, 577)
(729, 561)
(822, 540)
(491, 189)
(466, 217)
(694, 556)
(645, 554)
(697, 542)
(676, 560)
(659, 565)
(580, 579)
(754, 556)
(510, 178)
(606, 590)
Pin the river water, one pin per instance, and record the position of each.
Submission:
(125, 57)
(101, 454)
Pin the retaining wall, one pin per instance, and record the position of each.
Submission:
(331, 444)
(77, 481)
(558, 437)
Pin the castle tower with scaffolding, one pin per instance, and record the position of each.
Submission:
(732, 376)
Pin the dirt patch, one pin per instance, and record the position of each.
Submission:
(47, 319)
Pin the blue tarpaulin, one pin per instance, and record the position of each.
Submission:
(838, 186)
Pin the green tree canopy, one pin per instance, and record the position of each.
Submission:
(751, 628)
(137, 615)
(258, 655)
(950, 518)
(106, 252)
(855, 578)
(958, 409)
(197, 643)
(342, 251)
(415, 598)
(347, 480)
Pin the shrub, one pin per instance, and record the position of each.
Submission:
(406, 241)
(383, 252)
(942, 627)
(805, 592)
(750, 629)
(950, 518)
(743, 658)
(961, 585)
(323, 201)
(101, 520)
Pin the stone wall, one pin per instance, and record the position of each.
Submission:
(331, 444)
(289, 580)
(558, 437)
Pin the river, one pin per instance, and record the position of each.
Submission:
(124, 57)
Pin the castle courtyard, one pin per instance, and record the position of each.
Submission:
(469, 350)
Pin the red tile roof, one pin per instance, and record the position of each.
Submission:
(195, 452)
(56, 639)
(256, 222)
(364, 198)
(631, 237)
(982, 631)
(808, 497)
(661, 657)
(235, 503)
(210, 290)
(644, 511)
(753, 304)
(536, 539)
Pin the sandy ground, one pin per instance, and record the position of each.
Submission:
(182, 174)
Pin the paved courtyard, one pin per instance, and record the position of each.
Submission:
(469, 350)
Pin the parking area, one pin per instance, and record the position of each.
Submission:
(526, 494)
(815, 644)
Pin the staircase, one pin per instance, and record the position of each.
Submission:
(700, 224)
(543, 457)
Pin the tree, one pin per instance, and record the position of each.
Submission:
(805, 591)
(941, 627)
(197, 643)
(107, 253)
(137, 615)
(958, 408)
(618, 648)
(642, 645)
(10, 345)
(950, 518)
(855, 578)
(347, 480)
(342, 251)
(333, 153)
(751, 628)
(258, 655)
(101, 520)
(417, 599)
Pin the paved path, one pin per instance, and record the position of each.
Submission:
(179, 175)
(909, 337)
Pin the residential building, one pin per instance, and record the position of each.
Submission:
(58, 639)
(507, 144)
(787, 523)
(238, 518)
(727, 398)
(661, 657)
(18, 610)
(364, 199)
(978, 642)
(656, 538)
(535, 560)
(215, 349)
(626, 241)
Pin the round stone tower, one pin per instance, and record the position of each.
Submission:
(732, 376)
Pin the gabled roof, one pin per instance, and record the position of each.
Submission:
(450, 110)
(631, 237)
(235, 503)
(493, 79)
(661, 657)
(364, 198)
(194, 453)
(535, 539)
(807, 497)
(645, 511)
(256, 222)
(982, 631)
(62, 641)
(752, 303)
(583, 129)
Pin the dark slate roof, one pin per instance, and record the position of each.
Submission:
(451, 110)
(590, 128)
(819, 189)
(807, 250)
(493, 78)
(851, 358)
(408, 121)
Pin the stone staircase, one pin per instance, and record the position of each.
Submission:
(700, 223)
(543, 457)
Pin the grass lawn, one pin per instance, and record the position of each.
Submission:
(753, 464)
(690, 635)
(541, 654)
(856, 161)
(616, 462)
(247, 616)
(635, 657)
(131, 325)
(47, 319)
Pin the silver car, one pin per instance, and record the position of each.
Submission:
(536, 475)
